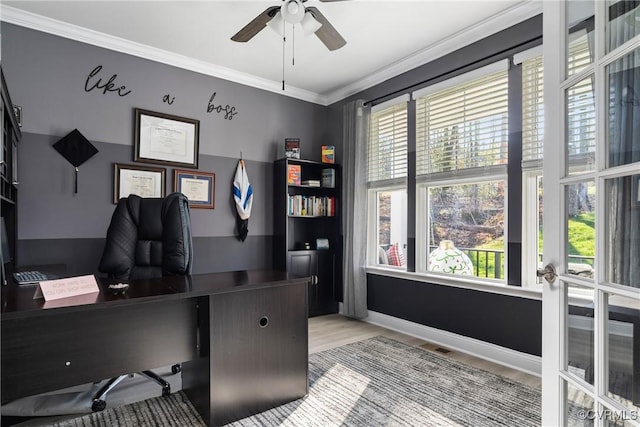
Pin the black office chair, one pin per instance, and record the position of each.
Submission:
(147, 238)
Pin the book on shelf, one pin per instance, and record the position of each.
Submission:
(311, 182)
(328, 178)
(328, 154)
(300, 205)
(294, 174)
(292, 148)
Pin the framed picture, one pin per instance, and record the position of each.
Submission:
(139, 180)
(166, 139)
(199, 187)
(635, 196)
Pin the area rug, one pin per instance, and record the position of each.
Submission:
(375, 382)
(171, 411)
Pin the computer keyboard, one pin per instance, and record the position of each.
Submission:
(27, 277)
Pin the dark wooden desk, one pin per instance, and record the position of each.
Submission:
(242, 338)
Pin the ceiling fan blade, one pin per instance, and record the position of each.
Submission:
(256, 25)
(329, 1)
(327, 34)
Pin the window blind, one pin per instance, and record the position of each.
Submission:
(464, 126)
(387, 153)
(578, 53)
(532, 111)
(579, 105)
(581, 121)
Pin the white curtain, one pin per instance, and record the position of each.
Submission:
(354, 208)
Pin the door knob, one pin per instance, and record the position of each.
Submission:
(548, 272)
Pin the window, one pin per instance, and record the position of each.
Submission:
(391, 226)
(461, 139)
(471, 217)
(386, 179)
(461, 156)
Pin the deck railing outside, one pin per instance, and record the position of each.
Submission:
(489, 263)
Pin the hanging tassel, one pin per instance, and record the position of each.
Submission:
(76, 183)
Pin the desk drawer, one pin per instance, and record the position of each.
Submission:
(53, 351)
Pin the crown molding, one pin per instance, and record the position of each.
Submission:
(73, 32)
(517, 13)
(520, 12)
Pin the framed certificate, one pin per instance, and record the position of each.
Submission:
(166, 139)
(138, 180)
(199, 187)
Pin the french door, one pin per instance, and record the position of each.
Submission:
(591, 308)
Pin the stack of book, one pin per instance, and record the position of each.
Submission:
(311, 182)
(292, 148)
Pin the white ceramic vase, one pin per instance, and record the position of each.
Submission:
(448, 259)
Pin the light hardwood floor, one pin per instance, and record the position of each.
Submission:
(334, 330)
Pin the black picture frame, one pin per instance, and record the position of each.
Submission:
(143, 181)
(166, 139)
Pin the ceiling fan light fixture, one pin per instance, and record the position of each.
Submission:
(292, 11)
(276, 24)
(309, 24)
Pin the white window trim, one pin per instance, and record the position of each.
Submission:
(529, 262)
(520, 57)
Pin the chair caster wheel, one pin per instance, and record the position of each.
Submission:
(166, 391)
(175, 369)
(98, 405)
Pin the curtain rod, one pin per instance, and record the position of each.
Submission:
(495, 57)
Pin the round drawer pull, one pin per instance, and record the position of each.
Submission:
(264, 321)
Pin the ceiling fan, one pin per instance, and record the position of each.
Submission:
(293, 12)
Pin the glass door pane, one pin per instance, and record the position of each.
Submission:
(581, 127)
(581, 231)
(623, 342)
(580, 333)
(623, 22)
(580, 27)
(623, 84)
(622, 230)
(580, 409)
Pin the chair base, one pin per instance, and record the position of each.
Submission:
(99, 403)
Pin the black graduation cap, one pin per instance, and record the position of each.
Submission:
(76, 149)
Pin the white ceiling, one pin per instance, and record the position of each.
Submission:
(384, 38)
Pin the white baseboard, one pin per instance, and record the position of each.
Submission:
(494, 353)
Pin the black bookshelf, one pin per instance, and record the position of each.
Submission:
(304, 213)
(9, 175)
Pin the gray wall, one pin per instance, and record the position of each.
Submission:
(46, 76)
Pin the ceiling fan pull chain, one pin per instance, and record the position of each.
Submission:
(284, 39)
(293, 45)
